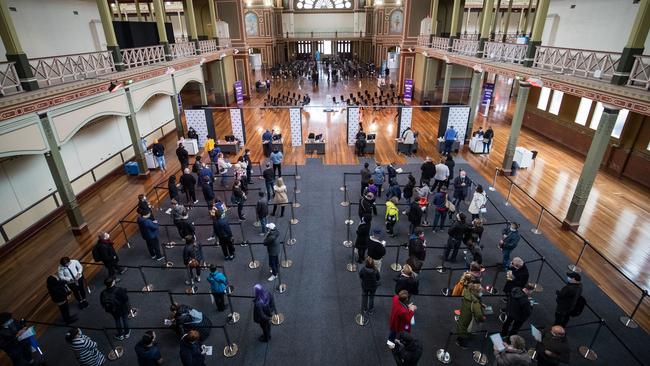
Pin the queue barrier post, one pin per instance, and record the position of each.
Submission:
(295, 170)
(277, 318)
(281, 287)
(491, 289)
(346, 201)
(128, 244)
(296, 189)
(231, 349)
(293, 220)
(116, 352)
(295, 203)
(347, 242)
(447, 290)
(538, 286)
(396, 266)
(286, 263)
(441, 268)
(147, 286)
(442, 355)
(352, 266)
(628, 321)
(234, 316)
(507, 203)
(493, 187)
(574, 267)
(587, 352)
(536, 229)
(362, 317)
(254, 263)
(479, 356)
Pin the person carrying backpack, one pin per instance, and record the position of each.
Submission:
(115, 301)
(392, 216)
(104, 252)
(567, 299)
(218, 285)
(439, 208)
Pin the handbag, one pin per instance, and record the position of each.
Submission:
(485, 141)
(483, 210)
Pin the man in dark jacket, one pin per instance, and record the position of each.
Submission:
(516, 276)
(369, 282)
(509, 242)
(414, 215)
(183, 156)
(487, 139)
(417, 245)
(567, 298)
(365, 177)
(456, 234)
(208, 191)
(554, 348)
(376, 248)
(363, 235)
(189, 186)
(148, 351)
(272, 244)
(193, 259)
(262, 211)
(407, 350)
(184, 226)
(19, 351)
(518, 310)
(461, 187)
(428, 170)
(269, 179)
(105, 252)
(158, 151)
(115, 301)
(223, 233)
(149, 231)
(206, 172)
(367, 206)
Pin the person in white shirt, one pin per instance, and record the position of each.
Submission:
(71, 272)
(408, 139)
(441, 176)
(478, 201)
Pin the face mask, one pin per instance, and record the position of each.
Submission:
(513, 229)
(462, 175)
(480, 294)
(568, 279)
(108, 236)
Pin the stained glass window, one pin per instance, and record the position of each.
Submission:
(323, 4)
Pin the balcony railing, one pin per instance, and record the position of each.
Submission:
(440, 43)
(510, 37)
(140, 56)
(640, 74)
(208, 46)
(324, 35)
(506, 52)
(66, 68)
(9, 80)
(224, 43)
(183, 49)
(471, 36)
(181, 39)
(584, 63)
(423, 40)
(465, 47)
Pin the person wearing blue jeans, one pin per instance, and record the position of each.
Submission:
(509, 242)
(272, 244)
(262, 211)
(269, 180)
(450, 137)
(276, 158)
(158, 151)
(115, 301)
(487, 136)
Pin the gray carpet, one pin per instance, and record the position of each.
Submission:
(323, 298)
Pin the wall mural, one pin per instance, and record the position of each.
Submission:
(252, 29)
(396, 22)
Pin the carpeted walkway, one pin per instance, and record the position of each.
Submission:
(323, 298)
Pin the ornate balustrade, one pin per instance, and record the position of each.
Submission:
(140, 56)
(506, 52)
(640, 74)
(183, 49)
(9, 80)
(440, 43)
(208, 46)
(465, 47)
(423, 40)
(584, 63)
(66, 68)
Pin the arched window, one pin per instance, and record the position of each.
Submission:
(324, 4)
(250, 19)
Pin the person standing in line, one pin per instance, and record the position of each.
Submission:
(158, 151)
(104, 251)
(417, 247)
(18, 351)
(367, 206)
(450, 137)
(276, 158)
(378, 176)
(269, 180)
(266, 142)
(365, 178)
(363, 236)
(84, 348)
(369, 283)
(218, 285)
(71, 272)
(567, 298)
(150, 231)
(239, 198)
(145, 207)
(408, 189)
(487, 139)
(191, 349)
(391, 171)
(428, 170)
(209, 144)
(441, 176)
(262, 211)
(477, 231)
(272, 244)
(208, 191)
(189, 186)
(461, 188)
(59, 294)
(281, 198)
(408, 139)
(196, 167)
(406, 280)
(515, 353)
(406, 350)
(415, 216)
(205, 172)
(172, 188)
(509, 240)
(115, 301)
(516, 276)
(401, 315)
(223, 232)
(376, 248)
(392, 216)
(440, 208)
(518, 309)
(554, 347)
(249, 166)
(183, 224)
(147, 350)
(451, 164)
(479, 200)
(183, 156)
(263, 310)
(192, 259)
(456, 234)
(471, 310)
(222, 168)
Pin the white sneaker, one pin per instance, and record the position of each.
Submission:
(272, 278)
(211, 238)
(195, 202)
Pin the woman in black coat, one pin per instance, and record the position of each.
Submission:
(59, 292)
(363, 234)
(173, 190)
(369, 282)
(263, 310)
(406, 281)
(414, 215)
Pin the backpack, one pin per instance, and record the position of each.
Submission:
(109, 302)
(580, 305)
(196, 167)
(96, 255)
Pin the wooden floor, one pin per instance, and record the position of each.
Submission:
(615, 221)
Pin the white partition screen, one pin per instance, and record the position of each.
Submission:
(195, 118)
(295, 117)
(459, 117)
(405, 119)
(353, 124)
(237, 122)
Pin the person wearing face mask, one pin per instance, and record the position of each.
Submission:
(148, 351)
(104, 252)
(509, 242)
(554, 348)
(518, 310)
(461, 187)
(567, 298)
(471, 311)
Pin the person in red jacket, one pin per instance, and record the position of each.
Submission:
(401, 315)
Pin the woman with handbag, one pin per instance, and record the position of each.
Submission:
(477, 206)
(471, 311)
(280, 198)
(59, 294)
(192, 258)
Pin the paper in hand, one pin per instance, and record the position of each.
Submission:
(207, 350)
(536, 333)
(498, 342)
(399, 170)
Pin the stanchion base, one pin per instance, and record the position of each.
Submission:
(443, 356)
(536, 231)
(128, 245)
(506, 203)
(349, 222)
(281, 288)
(116, 353)
(479, 357)
(574, 268)
(587, 353)
(361, 319)
(133, 312)
(296, 204)
(169, 264)
(351, 267)
(347, 243)
(89, 289)
(147, 288)
(297, 177)
(396, 267)
(293, 221)
(243, 244)
(257, 224)
(492, 189)
(291, 241)
(296, 190)
(345, 203)
(341, 189)
(230, 351)
(277, 319)
(253, 264)
(233, 317)
(192, 290)
(170, 245)
(539, 288)
(502, 317)
(492, 291)
(441, 269)
(628, 322)
(532, 352)
(286, 263)
(445, 291)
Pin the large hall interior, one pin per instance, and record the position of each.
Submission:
(267, 182)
